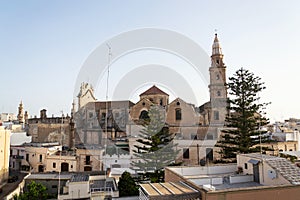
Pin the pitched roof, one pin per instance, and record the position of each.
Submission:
(283, 166)
(153, 90)
(288, 170)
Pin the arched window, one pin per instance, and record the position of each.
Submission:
(178, 114)
(144, 115)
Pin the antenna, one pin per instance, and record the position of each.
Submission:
(59, 167)
(108, 66)
(106, 109)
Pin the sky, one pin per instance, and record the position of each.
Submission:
(44, 45)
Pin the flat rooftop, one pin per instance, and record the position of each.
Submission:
(169, 189)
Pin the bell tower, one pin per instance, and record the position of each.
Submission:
(217, 86)
(20, 113)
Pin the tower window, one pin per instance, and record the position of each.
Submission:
(216, 115)
(218, 93)
(210, 136)
(161, 102)
(178, 114)
(186, 153)
(217, 76)
(218, 62)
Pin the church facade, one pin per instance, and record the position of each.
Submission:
(195, 129)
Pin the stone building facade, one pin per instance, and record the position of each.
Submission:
(51, 129)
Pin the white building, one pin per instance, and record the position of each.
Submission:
(6, 117)
(87, 186)
(4, 153)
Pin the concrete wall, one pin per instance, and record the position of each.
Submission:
(208, 181)
(240, 178)
(196, 171)
(262, 193)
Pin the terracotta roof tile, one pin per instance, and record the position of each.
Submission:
(153, 90)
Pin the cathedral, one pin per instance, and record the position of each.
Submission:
(195, 129)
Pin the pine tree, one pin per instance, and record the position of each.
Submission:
(245, 117)
(127, 186)
(156, 149)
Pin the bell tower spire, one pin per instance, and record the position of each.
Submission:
(217, 86)
(217, 55)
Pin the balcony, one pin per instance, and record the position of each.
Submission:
(18, 157)
(88, 162)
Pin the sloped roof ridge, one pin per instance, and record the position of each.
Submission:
(153, 90)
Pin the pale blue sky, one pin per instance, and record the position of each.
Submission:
(43, 44)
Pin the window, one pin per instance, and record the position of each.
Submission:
(285, 148)
(41, 158)
(161, 102)
(54, 186)
(216, 115)
(218, 61)
(186, 153)
(178, 103)
(144, 115)
(27, 157)
(87, 160)
(103, 115)
(194, 136)
(178, 135)
(295, 147)
(217, 76)
(178, 114)
(210, 136)
(54, 165)
(209, 154)
(246, 166)
(218, 93)
(90, 114)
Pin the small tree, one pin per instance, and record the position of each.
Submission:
(34, 191)
(156, 149)
(245, 116)
(127, 186)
